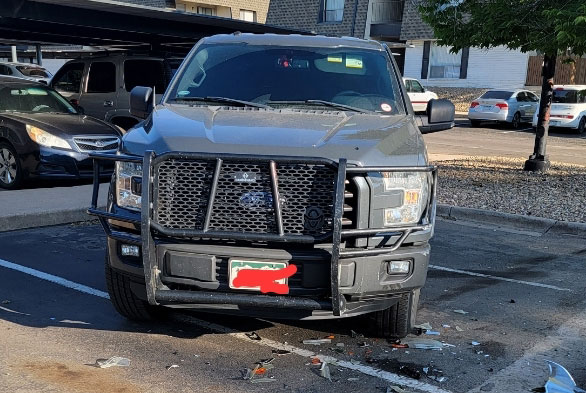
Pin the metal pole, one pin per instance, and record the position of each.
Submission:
(538, 161)
(14, 55)
(39, 55)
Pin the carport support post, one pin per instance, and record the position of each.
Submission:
(39, 55)
(14, 55)
(538, 161)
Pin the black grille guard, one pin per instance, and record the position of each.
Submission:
(158, 293)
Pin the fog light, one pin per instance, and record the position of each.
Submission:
(130, 251)
(399, 267)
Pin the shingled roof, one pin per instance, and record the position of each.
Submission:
(413, 27)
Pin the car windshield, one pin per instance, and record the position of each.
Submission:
(497, 95)
(561, 96)
(35, 72)
(27, 98)
(279, 76)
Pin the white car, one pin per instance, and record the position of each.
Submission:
(568, 108)
(29, 71)
(418, 95)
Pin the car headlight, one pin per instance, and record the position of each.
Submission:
(44, 138)
(408, 196)
(128, 185)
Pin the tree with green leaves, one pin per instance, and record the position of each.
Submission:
(551, 27)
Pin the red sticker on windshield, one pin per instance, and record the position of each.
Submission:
(386, 107)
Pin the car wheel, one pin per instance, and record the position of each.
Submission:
(475, 123)
(396, 322)
(124, 299)
(10, 168)
(582, 126)
(516, 123)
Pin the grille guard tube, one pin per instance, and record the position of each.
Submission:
(157, 291)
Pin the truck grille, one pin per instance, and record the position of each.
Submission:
(243, 201)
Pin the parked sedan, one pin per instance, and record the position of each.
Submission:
(568, 109)
(28, 71)
(418, 94)
(43, 135)
(504, 106)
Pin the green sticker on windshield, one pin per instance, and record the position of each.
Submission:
(335, 59)
(354, 61)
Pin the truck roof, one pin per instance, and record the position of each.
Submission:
(318, 41)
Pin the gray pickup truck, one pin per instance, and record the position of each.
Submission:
(279, 176)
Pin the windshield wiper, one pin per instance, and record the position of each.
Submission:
(324, 103)
(224, 100)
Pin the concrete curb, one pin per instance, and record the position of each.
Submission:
(36, 220)
(536, 224)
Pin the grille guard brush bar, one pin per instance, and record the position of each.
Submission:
(157, 291)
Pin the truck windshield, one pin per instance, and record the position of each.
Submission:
(285, 76)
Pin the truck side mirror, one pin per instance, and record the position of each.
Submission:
(440, 116)
(141, 101)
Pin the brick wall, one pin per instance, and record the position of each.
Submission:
(260, 6)
(305, 15)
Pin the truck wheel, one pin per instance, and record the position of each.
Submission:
(125, 301)
(396, 322)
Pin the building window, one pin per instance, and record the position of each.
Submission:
(206, 11)
(333, 10)
(443, 63)
(249, 16)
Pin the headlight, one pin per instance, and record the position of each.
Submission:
(128, 185)
(44, 138)
(411, 191)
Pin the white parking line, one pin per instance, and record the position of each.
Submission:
(534, 284)
(364, 369)
(54, 279)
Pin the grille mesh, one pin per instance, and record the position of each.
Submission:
(303, 187)
(228, 214)
(183, 193)
(184, 186)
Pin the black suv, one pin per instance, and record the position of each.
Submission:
(279, 175)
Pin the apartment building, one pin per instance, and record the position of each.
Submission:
(249, 10)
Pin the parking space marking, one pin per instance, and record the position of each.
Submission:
(361, 368)
(54, 279)
(534, 284)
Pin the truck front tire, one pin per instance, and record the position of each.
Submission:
(395, 322)
(125, 301)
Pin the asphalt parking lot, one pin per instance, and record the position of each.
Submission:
(523, 295)
(501, 141)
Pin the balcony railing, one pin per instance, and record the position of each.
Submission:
(387, 11)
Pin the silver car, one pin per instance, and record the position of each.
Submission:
(505, 106)
(29, 71)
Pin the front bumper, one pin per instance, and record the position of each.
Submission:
(335, 281)
(63, 164)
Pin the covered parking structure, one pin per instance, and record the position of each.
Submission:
(111, 24)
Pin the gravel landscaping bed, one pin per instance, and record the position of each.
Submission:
(501, 184)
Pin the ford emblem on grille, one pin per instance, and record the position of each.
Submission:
(257, 199)
(313, 218)
(245, 177)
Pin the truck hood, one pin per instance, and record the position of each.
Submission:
(363, 139)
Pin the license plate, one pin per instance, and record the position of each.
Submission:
(554, 122)
(237, 265)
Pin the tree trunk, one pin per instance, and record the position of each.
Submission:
(538, 161)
